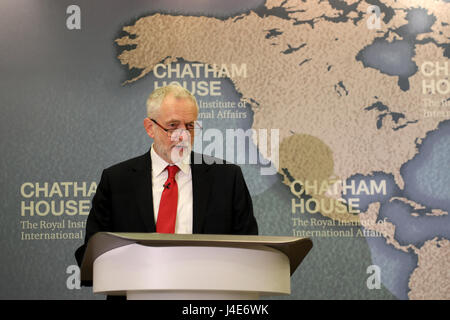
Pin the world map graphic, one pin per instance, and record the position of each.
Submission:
(360, 93)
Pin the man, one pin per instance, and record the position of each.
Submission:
(171, 189)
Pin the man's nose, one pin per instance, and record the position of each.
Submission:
(181, 134)
(185, 135)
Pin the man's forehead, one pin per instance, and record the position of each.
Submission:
(177, 121)
(181, 110)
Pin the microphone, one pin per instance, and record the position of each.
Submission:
(166, 186)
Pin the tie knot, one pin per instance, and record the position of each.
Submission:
(172, 171)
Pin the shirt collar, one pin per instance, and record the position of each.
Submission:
(159, 164)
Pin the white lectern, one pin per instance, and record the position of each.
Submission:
(195, 266)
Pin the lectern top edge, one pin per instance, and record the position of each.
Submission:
(207, 237)
(293, 247)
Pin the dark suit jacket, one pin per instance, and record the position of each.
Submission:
(124, 202)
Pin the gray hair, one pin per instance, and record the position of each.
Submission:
(157, 96)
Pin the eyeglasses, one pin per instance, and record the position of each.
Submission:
(190, 127)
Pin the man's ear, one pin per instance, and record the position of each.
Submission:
(148, 125)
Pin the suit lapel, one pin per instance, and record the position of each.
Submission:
(144, 194)
(201, 182)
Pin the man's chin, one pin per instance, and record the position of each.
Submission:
(180, 153)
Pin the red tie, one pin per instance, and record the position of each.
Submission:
(167, 214)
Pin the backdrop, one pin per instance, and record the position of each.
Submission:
(337, 112)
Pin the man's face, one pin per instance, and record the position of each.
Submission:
(174, 113)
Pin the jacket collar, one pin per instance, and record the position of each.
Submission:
(144, 195)
(201, 186)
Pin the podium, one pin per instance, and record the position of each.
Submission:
(153, 266)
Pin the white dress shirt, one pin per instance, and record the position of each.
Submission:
(184, 181)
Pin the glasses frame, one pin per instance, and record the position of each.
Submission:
(171, 131)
